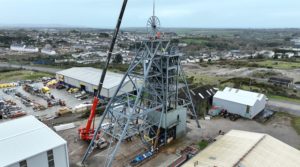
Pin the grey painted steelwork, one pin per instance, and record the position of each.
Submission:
(153, 23)
(156, 74)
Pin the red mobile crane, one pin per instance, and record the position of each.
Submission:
(87, 133)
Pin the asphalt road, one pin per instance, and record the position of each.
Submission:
(28, 67)
(284, 106)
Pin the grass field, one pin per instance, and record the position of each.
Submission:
(275, 97)
(296, 123)
(21, 75)
(295, 120)
(269, 63)
(278, 64)
(195, 41)
(205, 79)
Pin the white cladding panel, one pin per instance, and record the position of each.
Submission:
(60, 156)
(40, 160)
(14, 165)
(259, 106)
(127, 88)
(174, 117)
(231, 107)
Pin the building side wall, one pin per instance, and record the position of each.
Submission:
(170, 119)
(14, 165)
(258, 107)
(89, 87)
(61, 156)
(231, 107)
(24, 49)
(181, 127)
(127, 88)
(41, 160)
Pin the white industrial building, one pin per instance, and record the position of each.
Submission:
(28, 142)
(48, 51)
(24, 48)
(246, 149)
(87, 78)
(244, 103)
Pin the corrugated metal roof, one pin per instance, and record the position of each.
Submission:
(92, 76)
(248, 149)
(272, 152)
(25, 137)
(201, 93)
(239, 96)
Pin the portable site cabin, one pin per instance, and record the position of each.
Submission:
(244, 103)
(28, 142)
(87, 79)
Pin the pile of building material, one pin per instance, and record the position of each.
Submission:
(81, 96)
(63, 111)
(52, 83)
(24, 99)
(8, 85)
(31, 89)
(64, 127)
(9, 109)
(44, 93)
(38, 107)
(9, 91)
(82, 107)
(72, 90)
(30, 103)
(185, 155)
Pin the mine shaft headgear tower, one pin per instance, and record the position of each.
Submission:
(154, 112)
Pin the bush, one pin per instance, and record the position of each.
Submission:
(202, 144)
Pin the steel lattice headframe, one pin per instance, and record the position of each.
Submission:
(157, 78)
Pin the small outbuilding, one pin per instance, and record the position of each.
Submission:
(202, 98)
(28, 142)
(282, 81)
(87, 79)
(244, 103)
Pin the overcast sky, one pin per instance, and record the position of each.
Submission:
(172, 13)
